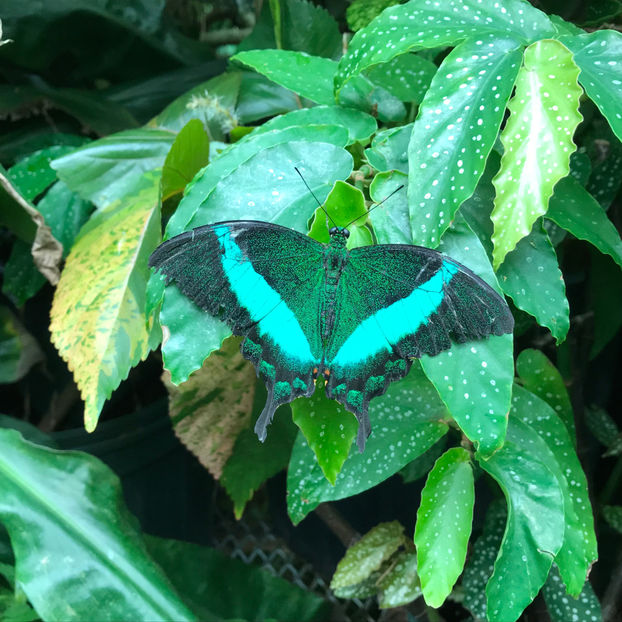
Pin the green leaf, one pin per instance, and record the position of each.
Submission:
(605, 289)
(604, 182)
(563, 607)
(537, 139)
(110, 168)
(360, 125)
(456, 128)
(474, 379)
(368, 554)
(400, 584)
(18, 349)
(531, 277)
(481, 562)
(613, 515)
(253, 462)
(539, 376)
(597, 55)
(406, 77)
(328, 428)
(578, 551)
(443, 524)
(309, 76)
(261, 98)
(575, 210)
(220, 588)
(419, 24)
(97, 566)
(363, 94)
(535, 526)
(389, 149)
(101, 331)
(188, 155)
(603, 427)
(422, 464)
(390, 221)
(406, 421)
(14, 608)
(213, 406)
(361, 12)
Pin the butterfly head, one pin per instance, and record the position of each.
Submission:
(339, 235)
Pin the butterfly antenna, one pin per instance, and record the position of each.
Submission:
(373, 207)
(304, 181)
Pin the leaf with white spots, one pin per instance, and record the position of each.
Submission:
(564, 608)
(329, 429)
(427, 24)
(604, 181)
(542, 378)
(604, 428)
(389, 149)
(481, 561)
(613, 515)
(531, 277)
(443, 526)
(406, 77)
(575, 210)
(535, 525)
(400, 585)
(367, 555)
(406, 422)
(474, 379)
(599, 57)
(578, 551)
(457, 126)
(309, 76)
(537, 139)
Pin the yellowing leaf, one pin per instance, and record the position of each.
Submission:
(537, 140)
(98, 314)
(213, 406)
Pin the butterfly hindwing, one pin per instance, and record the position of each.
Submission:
(398, 302)
(264, 281)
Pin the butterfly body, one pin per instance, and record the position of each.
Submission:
(306, 309)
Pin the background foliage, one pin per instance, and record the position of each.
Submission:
(492, 467)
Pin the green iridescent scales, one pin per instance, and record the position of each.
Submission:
(306, 309)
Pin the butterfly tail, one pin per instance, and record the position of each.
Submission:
(364, 429)
(265, 418)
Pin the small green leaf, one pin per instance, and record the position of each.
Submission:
(329, 429)
(188, 155)
(474, 379)
(613, 515)
(457, 126)
(562, 607)
(537, 139)
(18, 349)
(444, 524)
(78, 551)
(309, 76)
(389, 149)
(406, 421)
(253, 462)
(400, 585)
(598, 56)
(531, 277)
(603, 427)
(535, 527)
(575, 210)
(390, 220)
(368, 554)
(364, 94)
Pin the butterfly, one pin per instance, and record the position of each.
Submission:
(355, 317)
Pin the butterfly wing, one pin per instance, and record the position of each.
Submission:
(398, 302)
(263, 281)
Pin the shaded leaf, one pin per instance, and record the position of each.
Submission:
(422, 464)
(457, 126)
(361, 12)
(537, 141)
(78, 551)
(18, 349)
(531, 277)
(575, 210)
(604, 429)
(213, 406)
(562, 607)
(261, 98)
(101, 330)
(406, 421)
(613, 515)
(605, 288)
(389, 149)
(364, 94)
(390, 221)
(443, 524)
(400, 585)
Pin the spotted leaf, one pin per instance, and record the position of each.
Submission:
(537, 139)
(563, 607)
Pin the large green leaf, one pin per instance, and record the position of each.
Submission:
(423, 24)
(110, 168)
(537, 141)
(443, 524)
(220, 588)
(101, 330)
(406, 421)
(578, 551)
(474, 379)
(456, 128)
(563, 607)
(78, 551)
(575, 210)
(531, 277)
(535, 525)
(598, 56)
